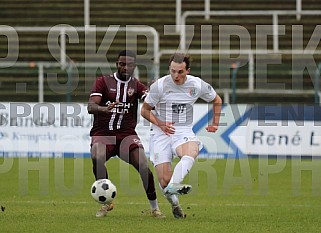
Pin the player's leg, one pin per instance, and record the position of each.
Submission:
(187, 147)
(187, 152)
(132, 152)
(161, 156)
(139, 161)
(164, 174)
(102, 148)
(99, 157)
(137, 158)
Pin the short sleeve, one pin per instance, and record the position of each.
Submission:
(208, 93)
(154, 94)
(98, 87)
(142, 90)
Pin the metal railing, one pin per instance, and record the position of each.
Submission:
(251, 69)
(157, 53)
(64, 30)
(207, 9)
(181, 28)
(275, 25)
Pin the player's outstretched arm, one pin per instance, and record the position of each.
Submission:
(93, 106)
(217, 106)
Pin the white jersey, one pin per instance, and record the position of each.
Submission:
(174, 103)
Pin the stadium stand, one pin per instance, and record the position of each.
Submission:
(33, 45)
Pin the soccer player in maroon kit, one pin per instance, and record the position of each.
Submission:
(113, 102)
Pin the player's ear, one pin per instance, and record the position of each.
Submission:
(188, 70)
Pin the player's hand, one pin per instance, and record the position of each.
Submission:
(168, 128)
(212, 128)
(111, 106)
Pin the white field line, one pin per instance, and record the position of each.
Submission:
(145, 203)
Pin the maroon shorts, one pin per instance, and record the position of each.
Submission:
(119, 144)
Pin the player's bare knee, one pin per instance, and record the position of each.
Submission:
(98, 152)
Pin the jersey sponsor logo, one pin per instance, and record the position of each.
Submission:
(121, 108)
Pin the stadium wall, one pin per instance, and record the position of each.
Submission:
(62, 130)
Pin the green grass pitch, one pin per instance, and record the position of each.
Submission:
(229, 195)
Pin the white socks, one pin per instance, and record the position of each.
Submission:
(153, 204)
(181, 169)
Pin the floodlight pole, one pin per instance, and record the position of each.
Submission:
(235, 67)
(40, 82)
(86, 13)
(317, 85)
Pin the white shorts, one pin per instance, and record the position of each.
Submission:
(162, 148)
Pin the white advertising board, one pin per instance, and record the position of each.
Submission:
(50, 130)
(62, 129)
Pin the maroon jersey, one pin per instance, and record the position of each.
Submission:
(123, 117)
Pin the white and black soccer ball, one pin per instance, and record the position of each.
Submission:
(103, 191)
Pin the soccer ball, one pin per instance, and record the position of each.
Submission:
(103, 191)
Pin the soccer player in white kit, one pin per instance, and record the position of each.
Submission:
(169, 107)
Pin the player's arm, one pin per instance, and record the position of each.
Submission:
(142, 91)
(217, 106)
(166, 127)
(93, 106)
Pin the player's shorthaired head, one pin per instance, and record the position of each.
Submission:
(127, 53)
(180, 58)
